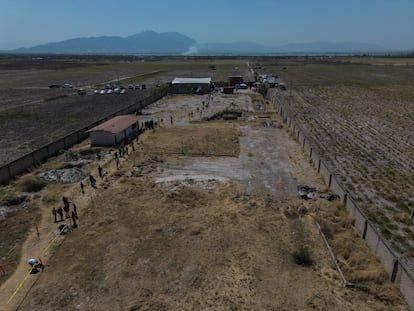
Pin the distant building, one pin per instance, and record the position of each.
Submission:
(114, 131)
(235, 80)
(191, 85)
(228, 90)
(238, 77)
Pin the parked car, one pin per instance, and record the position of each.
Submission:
(123, 91)
(54, 86)
(143, 86)
(81, 92)
(102, 92)
(110, 91)
(67, 86)
(96, 92)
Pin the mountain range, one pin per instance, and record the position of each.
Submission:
(173, 43)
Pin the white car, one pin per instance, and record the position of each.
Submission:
(67, 86)
(102, 92)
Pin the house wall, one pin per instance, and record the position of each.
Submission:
(235, 80)
(190, 88)
(102, 138)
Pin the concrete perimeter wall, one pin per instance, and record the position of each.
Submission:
(397, 269)
(22, 164)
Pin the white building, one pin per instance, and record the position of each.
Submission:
(191, 85)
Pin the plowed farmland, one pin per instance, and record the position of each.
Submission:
(361, 118)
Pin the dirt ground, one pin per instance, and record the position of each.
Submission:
(201, 215)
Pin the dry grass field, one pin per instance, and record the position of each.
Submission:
(205, 224)
(202, 215)
(360, 115)
(32, 115)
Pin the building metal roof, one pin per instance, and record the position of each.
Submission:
(191, 80)
(116, 124)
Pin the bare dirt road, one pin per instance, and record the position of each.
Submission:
(203, 215)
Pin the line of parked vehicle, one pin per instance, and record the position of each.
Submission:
(63, 86)
(109, 88)
(114, 89)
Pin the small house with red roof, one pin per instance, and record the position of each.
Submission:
(114, 131)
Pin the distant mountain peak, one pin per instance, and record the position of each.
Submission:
(146, 42)
(175, 43)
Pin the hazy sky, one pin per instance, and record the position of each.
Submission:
(390, 23)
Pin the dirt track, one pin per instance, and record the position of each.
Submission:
(182, 232)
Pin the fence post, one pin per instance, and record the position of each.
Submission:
(394, 271)
(330, 180)
(319, 166)
(364, 233)
(9, 171)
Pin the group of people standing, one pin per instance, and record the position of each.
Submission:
(72, 215)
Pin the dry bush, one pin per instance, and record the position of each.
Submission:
(402, 218)
(355, 259)
(363, 276)
(31, 184)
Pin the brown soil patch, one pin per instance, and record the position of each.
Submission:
(194, 245)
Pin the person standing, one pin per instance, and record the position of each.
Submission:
(100, 171)
(74, 217)
(66, 206)
(60, 212)
(92, 180)
(66, 209)
(82, 187)
(54, 212)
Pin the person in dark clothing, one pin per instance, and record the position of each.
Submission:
(66, 208)
(82, 187)
(60, 212)
(75, 209)
(54, 212)
(92, 180)
(100, 171)
(65, 200)
(74, 217)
